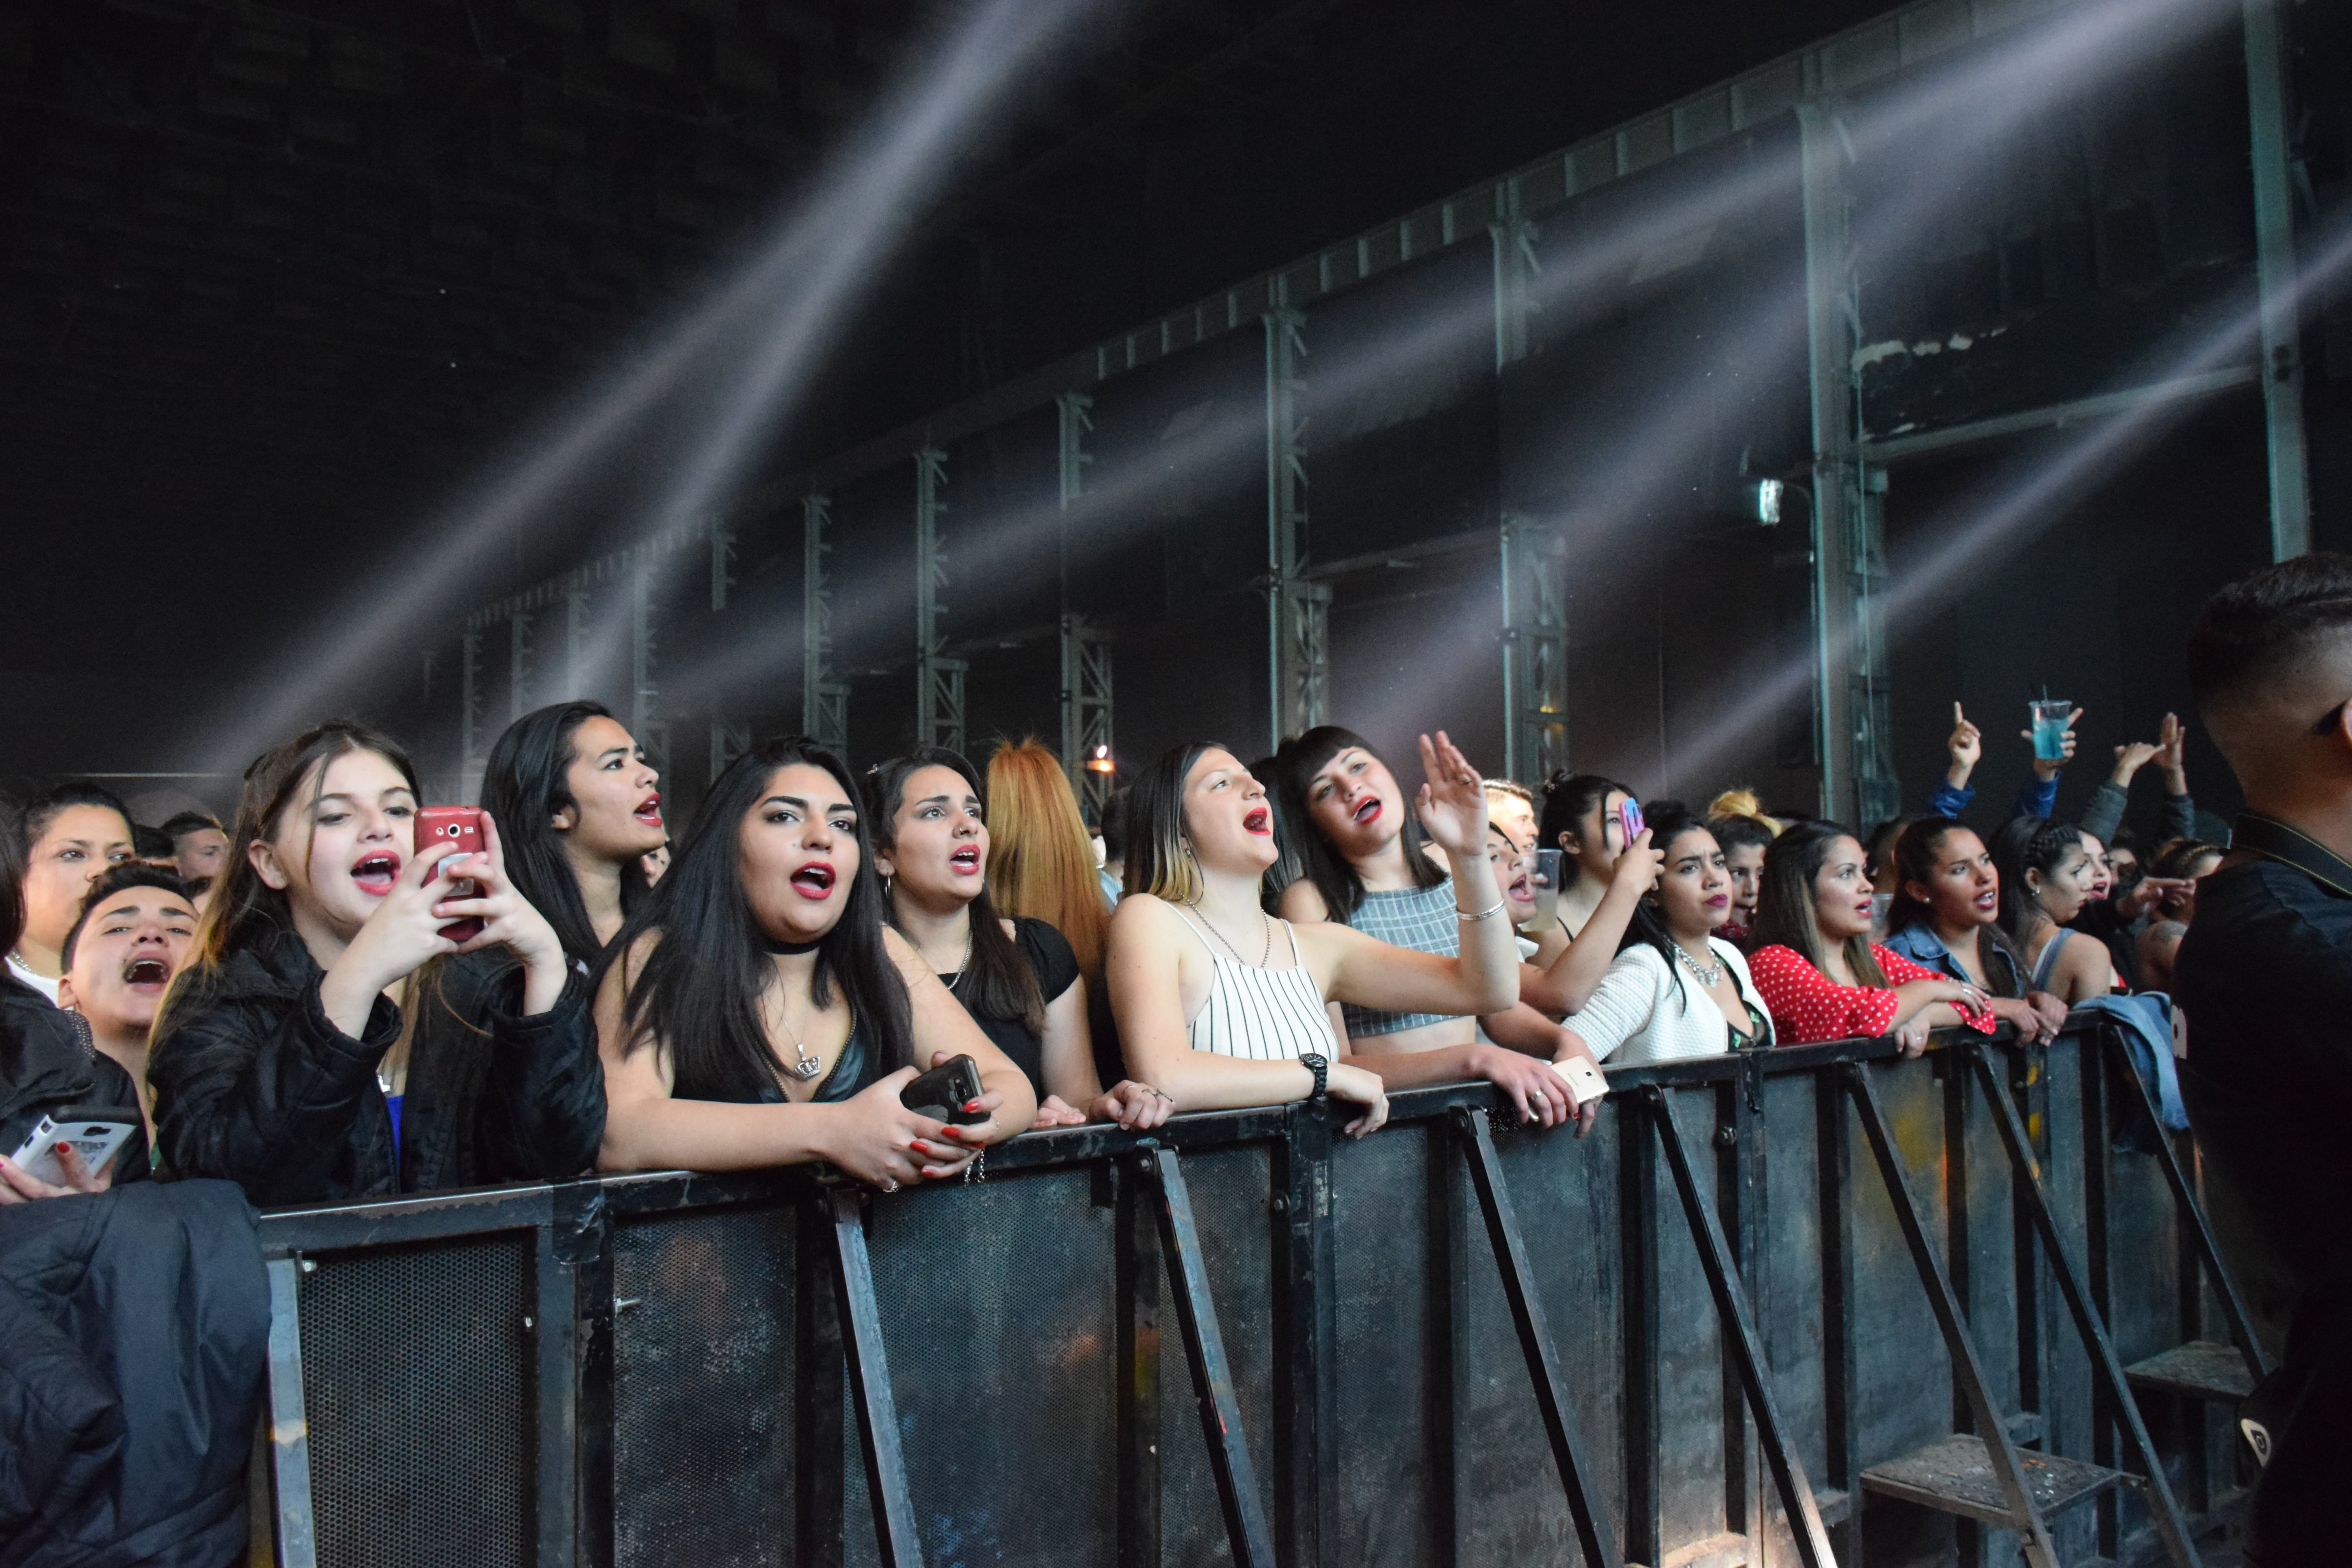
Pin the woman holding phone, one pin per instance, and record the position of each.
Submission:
(1019, 979)
(1604, 872)
(328, 1040)
(1222, 1005)
(1815, 965)
(758, 1009)
(1367, 866)
(577, 802)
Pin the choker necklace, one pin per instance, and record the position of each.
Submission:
(788, 949)
(1707, 974)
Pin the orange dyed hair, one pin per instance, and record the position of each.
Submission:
(1041, 859)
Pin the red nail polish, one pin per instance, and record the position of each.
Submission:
(972, 1105)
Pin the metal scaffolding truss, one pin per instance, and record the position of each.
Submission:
(1086, 709)
(825, 701)
(1296, 609)
(519, 652)
(938, 679)
(646, 722)
(1534, 557)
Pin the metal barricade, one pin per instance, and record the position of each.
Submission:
(1767, 1285)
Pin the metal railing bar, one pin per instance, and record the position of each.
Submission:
(869, 1377)
(1747, 1343)
(294, 1527)
(2169, 1523)
(1246, 1527)
(1991, 1422)
(1594, 1537)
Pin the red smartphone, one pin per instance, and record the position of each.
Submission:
(461, 826)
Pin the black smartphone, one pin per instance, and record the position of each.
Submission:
(942, 1093)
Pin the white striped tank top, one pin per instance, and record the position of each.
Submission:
(1264, 1015)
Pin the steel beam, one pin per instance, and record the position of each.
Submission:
(1535, 650)
(2266, 115)
(1513, 237)
(576, 641)
(518, 651)
(1829, 333)
(722, 560)
(1881, 450)
(938, 679)
(825, 701)
(469, 704)
(1296, 609)
(728, 742)
(1086, 708)
(646, 724)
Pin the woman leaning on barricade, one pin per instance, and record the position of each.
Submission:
(1018, 978)
(1222, 1005)
(329, 1041)
(757, 1009)
(1814, 964)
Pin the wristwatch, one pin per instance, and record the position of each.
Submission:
(1321, 1068)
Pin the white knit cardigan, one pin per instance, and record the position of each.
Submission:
(1638, 1015)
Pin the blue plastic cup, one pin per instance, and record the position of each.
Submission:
(2050, 720)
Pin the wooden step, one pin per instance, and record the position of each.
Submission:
(2200, 1368)
(1956, 1476)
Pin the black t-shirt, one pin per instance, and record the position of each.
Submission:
(1050, 959)
(2265, 976)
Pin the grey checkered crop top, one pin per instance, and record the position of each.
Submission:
(1422, 919)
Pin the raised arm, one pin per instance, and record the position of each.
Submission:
(1565, 986)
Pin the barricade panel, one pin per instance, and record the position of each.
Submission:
(1232, 1198)
(416, 1375)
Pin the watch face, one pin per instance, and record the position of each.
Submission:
(1312, 1061)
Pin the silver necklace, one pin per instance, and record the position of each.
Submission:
(803, 1067)
(1708, 976)
(1268, 925)
(965, 962)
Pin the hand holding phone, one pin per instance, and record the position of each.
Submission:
(1630, 813)
(460, 825)
(942, 1093)
(96, 1132)
(1584, 1080)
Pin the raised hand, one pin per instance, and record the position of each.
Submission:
(1966, 746)
(508, 919)
(2130, 759)
(2170, 740)
(2048, 766)
(1452, 804)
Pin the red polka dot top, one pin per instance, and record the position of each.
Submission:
(1808, 1005)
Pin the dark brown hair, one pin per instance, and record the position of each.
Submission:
(1784, 904)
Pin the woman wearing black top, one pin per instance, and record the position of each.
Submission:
(328, 1042)
(1019, 979)
(756, 1010)
(577, 800)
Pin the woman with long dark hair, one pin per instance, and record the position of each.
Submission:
(757, 1009)
(1676, 989)
(1366, 865)
(1221, 1004)
(1815, 965)
(1946, 917)
(1603, 875)
(1018, 978)
(328, 1041)
(2046, 877)
(576, 800)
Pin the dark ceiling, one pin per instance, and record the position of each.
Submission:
(275, 277)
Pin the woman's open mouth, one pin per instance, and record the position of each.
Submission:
(813, 881)
(1370, 810)
(965, 862)
(1258, 819)
(375, 873)
(147, 972)
(649, 811)
(1989, 899)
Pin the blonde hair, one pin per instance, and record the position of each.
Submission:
(1743, 802)
(1041, 859)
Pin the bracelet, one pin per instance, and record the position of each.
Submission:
(1486, 914)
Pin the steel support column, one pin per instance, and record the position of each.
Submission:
(825, 701)
(1535, 650)
(645, 721)
(2266, 113)
(728, 742)
(469, 703)
(1839, 542)
(518, 651)
(1297, 668)
(722, 560)
(1085, 647)
(938, 679)
(1514, 240)
(576, 641)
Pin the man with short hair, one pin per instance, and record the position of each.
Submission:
(135, 932)
(2265, 974)
(198, 844)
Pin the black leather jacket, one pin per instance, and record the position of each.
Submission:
(254, 1084)
(46, 1064)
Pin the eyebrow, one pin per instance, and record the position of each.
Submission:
(613, 752)
(796, 800)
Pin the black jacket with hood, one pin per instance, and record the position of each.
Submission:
(253, 1083)
(46, 1064)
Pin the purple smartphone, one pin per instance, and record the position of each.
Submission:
(1630, 813)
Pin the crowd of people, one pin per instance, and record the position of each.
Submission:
(319, 1003)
